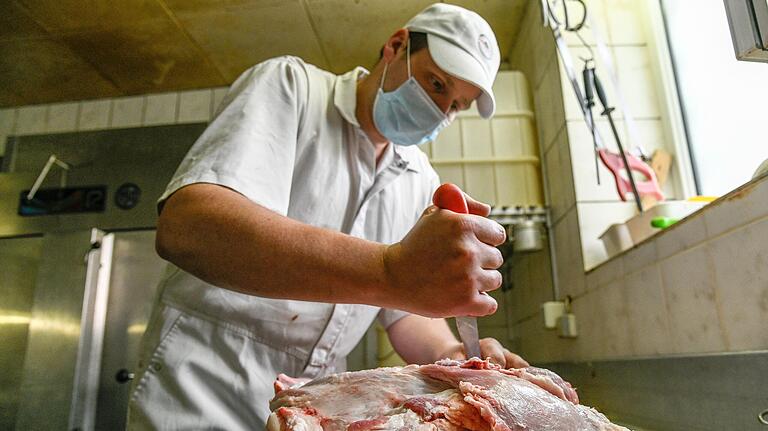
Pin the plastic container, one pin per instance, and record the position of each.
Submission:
(616, 239)
(640, 225)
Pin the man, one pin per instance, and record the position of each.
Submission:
(296, 219)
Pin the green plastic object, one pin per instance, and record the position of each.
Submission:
(663, 222)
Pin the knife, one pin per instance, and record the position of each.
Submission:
(449, 196)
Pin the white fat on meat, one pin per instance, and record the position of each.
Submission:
(448, 395)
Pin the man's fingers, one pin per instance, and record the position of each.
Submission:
(491, 258)
(491, 349)
(482, 305)
(477, 207)
(488, 231)
(490, 280)
(514, 361)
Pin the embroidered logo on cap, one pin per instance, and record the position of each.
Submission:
(484, 45)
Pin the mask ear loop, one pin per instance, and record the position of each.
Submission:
(407, 62)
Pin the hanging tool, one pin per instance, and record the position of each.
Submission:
(609, 159)
(616, 163)
(449, 196)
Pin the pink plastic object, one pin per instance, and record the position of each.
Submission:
(646, 187)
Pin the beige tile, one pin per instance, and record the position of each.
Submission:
(506, 89)
(741, 270)
(612, 306)
(7, 124)
(550, 114)
(537, 344)
(607, 272)
(62, 117)
(94, 114)
(689, 288)
(127, 111)
(7, 120)
(447, 145)
(161, 109)
(31, 120)
(681, 236)
(597, 13)
(584, 164)
(591, 325)
(218, 96)
(560, 178)
(594, 219)
(195, 106)
(570, 265)
(648, 325)
(451, 173)
(508, 138)
(639, 257)
(479, 180)
(636, 79)
(476, 138)
(512, 184)
(625, 25)
(746, 204)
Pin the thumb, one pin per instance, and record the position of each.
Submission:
(477, 207)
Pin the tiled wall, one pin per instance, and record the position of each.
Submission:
(700, 287)
(149, 110)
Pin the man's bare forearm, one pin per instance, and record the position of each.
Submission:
(225, 239)
(421, 340)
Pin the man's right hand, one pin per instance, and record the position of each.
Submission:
(444, 263)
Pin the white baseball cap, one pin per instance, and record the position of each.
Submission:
(463, 45)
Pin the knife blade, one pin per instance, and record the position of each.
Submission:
(467, 327)
(449, 196)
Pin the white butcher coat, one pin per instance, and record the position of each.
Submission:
(287, 138)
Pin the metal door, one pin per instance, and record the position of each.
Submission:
(19, 259)
(136, 273)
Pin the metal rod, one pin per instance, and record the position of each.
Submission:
(608, 112)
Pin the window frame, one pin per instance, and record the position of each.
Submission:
(748, 21)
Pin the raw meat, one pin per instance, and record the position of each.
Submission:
(448, 395)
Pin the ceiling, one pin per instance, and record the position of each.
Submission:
(58, 50)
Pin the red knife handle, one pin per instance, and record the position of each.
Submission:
(450, 197)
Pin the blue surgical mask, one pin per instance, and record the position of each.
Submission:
(407, 115)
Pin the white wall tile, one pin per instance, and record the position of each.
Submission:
(31, 120)
(648, 325)
(689, 288)
(161, 109)
(597, 15)
(62, 117)
(741, 269)
(746, 204)
(681, 236)
(94, 114)
(218, 96)
(195, 106)
(128, 111)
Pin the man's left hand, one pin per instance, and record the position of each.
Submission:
(491, 349)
